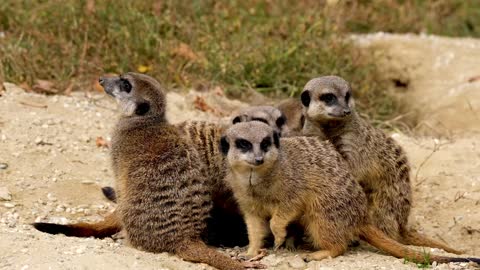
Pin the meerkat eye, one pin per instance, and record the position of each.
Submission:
(260, 119)
(243, 145)
(347, 97)
(265, 144)
(125, 85)
(329, 98)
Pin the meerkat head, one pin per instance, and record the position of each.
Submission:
(266, 114)
(327, 98)
(136, 94)
(250, 146)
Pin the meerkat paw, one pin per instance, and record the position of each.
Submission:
(278, 243)
(254, 265)
(254, 254)
(317, 256)
(290, 244)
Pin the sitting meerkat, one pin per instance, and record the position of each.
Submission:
(376, 161)
(303, 179)
(163, 203)
(225, 227)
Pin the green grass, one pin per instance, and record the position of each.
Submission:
(274, 47)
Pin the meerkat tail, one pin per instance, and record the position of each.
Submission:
(109, 193)
(198, 252)
(105, 228)
(378, 239)
(412, 237)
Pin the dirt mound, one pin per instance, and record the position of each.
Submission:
(437, 77)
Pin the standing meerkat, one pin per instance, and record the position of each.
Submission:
(302, 179)
(377, 162)
(225, 226)
(163, 201)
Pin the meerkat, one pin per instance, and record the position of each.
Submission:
(377, 162)
(225, 227)
(304, 179)
(292, 110)
(163, 201)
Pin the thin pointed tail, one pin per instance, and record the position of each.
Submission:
(105, 228)
(378, 239)
(197, 251)
(412, 237)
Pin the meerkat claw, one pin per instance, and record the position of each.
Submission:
(261, 253)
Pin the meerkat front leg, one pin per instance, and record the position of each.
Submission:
(257, 230)
(279, 223)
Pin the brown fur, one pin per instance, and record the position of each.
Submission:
(204, 137)
(377, 162)
(163, 201)
(292, 110)
(301, 179)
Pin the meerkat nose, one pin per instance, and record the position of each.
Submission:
(258, 161)
(346, 112)
(101, 80)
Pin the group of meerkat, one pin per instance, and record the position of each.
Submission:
(312, 162)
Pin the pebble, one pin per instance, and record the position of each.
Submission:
(3, 166)
(297, 262)
(80, 250)
(38, 140)
(50, 197)
(9, 205)
(5, 194)
(87, 182)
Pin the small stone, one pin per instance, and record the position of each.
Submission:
(5, 194)
(87, 182)
(9, 205)
(24, 250)
(80, 250)
(51, 198)
(3, 166)
(38, 140)
(297, 262)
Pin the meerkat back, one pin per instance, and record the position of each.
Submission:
(163, 197)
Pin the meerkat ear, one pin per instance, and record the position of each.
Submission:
(142, 108)
(276, 139)
(281, 121)
(224, 145)
(238, 119)
(305, 97)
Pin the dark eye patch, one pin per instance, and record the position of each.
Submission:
(328, 98)
(281, 121)
(265, 144)
(125, 85)
(243, 145)
(347, 97)
(260, 119)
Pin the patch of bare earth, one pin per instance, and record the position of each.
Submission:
(51, 168)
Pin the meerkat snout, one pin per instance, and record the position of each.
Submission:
(250, 146)
(327, 97)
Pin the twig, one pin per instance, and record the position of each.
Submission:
(436, 147)
(33, 104)
(459, 195)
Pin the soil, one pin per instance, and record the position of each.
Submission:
(53, 161)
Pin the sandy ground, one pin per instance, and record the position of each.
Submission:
(51, 170)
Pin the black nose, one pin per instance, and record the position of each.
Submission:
(101, 81)
(347, 112)
(258, 161)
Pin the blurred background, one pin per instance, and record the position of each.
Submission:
(273, 47)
